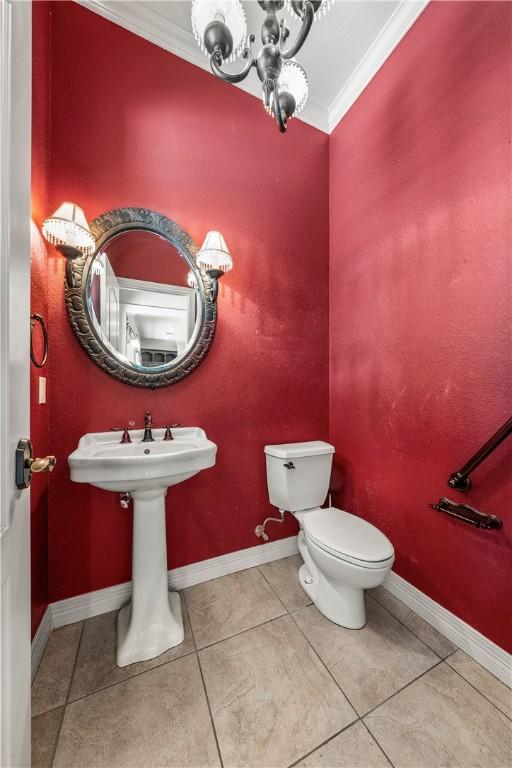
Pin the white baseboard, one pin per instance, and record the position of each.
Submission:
(110, 599)
(480, 648)
(40, 640)
(476, 645)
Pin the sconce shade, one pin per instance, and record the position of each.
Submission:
(214, 253)
(68, 228)
(229, 12)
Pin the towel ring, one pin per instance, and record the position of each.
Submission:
(33, 320)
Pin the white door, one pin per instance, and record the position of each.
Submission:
(15, 140)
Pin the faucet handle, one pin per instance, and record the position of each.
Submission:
(126, 435)
(168, 433)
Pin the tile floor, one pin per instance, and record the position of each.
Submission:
(264, 680)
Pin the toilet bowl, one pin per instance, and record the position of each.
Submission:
(343, 554)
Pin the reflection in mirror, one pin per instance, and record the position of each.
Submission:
(143, 304)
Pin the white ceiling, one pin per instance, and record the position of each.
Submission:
(343, 52)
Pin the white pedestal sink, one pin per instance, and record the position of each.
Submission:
(152, 622)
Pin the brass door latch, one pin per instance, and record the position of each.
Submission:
(26, 465)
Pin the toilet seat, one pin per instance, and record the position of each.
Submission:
(347, 537)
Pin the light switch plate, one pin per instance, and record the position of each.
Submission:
(42, 390)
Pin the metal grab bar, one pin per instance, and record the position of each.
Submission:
(460, 480)
(467, 514)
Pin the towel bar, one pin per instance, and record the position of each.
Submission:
(467, 514)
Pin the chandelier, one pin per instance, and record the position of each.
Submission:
(220, 28)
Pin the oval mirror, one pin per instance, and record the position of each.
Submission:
(139, 305)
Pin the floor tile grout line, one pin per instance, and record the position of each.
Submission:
(290, 612)
(334, 736)
(127, 679)
(365, 714)
(169, 661)
(206, 694)
(323, 743)
(79, 645)
(274, 591)
(324, 665)
(287, 613)
(247, 629)
(210, 710)
(57, 736)
(414, 680)
(378, 603)
(185, 605)
(509, 717)
(136, 674)
(359, 718)
(442, 658)
(211, 645)
(411, 630)
(242, 632)
(374, 738)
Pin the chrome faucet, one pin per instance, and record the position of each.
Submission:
(148, 424)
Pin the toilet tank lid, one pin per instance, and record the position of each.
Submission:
(299, 450)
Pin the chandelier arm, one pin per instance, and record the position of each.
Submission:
(277, 110)
(236, 77)
(284, 34)
(307, 20)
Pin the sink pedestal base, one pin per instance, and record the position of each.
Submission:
(152, 622)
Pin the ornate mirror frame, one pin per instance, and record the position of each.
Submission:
(103, 228)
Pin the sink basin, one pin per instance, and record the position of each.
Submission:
(152, 622)
(102, 460)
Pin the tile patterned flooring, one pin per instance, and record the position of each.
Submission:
(263, 680)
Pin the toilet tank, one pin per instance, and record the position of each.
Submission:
(298, 474)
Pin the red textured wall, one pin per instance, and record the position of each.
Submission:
(39, 302)
(420, 247)
(134, 125)
(420, 321)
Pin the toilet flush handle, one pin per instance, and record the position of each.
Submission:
(290, 465)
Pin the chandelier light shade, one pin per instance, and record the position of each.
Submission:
(230, 13)
(67, 229)
(293, 81)
(284, 83)
(295, 10)
(215, 259)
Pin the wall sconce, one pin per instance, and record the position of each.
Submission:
(67, 229)
(215, 259)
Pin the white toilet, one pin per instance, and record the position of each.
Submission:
(343, 554)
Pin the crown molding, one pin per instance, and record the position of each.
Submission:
(144, 21)
(397, 26)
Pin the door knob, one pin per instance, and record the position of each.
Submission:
(43, 465)
(25, 464)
